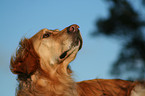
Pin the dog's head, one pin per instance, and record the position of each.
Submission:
(47, 48)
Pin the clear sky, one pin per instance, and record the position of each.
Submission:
(23, 18)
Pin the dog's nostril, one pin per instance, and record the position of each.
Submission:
(73, 28)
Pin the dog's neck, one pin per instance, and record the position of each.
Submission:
(49, 83)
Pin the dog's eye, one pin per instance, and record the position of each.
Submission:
(46, 35)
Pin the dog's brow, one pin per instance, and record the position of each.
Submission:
(53, 31)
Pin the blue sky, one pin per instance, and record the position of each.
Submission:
(23, 18)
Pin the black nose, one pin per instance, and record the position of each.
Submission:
(73, 28)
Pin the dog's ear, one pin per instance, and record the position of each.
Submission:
(26, 60)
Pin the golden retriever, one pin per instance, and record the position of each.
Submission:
(42, 66)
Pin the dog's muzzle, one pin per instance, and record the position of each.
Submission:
(75, 32)
(72, 30)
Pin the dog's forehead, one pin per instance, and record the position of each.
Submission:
(55, 30)
(49, 30)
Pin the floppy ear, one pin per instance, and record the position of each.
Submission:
(26, 60)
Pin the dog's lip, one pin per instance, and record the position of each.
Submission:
(80, 43)
(63, 55)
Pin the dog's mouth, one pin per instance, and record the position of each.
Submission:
(75, 47)
(65, 55)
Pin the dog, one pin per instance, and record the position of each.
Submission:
(42, 65)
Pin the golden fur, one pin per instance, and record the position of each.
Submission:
(42, 66)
